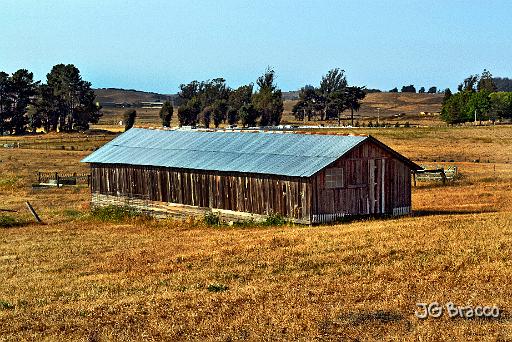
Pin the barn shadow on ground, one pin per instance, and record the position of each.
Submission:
(420, 213)
(415, 213)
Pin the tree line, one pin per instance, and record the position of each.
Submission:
(64, 103)
(477, 98)
(330, 99)
(412, 89)
(213, 102)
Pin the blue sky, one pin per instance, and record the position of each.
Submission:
(156, 45)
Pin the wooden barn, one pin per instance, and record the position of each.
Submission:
(307, 178)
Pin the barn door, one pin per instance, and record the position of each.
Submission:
(376, 186)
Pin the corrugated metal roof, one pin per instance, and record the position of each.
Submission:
(296, 155)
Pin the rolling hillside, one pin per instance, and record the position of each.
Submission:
(389, 103)
(393, 106)
(131, 96)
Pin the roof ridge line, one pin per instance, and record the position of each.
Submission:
(184, 149)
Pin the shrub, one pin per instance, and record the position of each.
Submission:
(6, 305)
(274, 220)
(407, 124)
(114, 213)
(9, 222)
(217, 287)
(244, 223)
(72, 213)
(212, 219)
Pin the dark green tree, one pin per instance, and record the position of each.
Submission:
(354, 97)
(332, 93)
(220, 109)
(35, 118)
(447, 95)
(469, 83)
(196, 97)
(334, 80)
(206, 116)
(328, 97)
(337, 104)
(236, 99)
(240, 96)
(422, 90)
(76, 107)
(453, 108)
(503, 83)
(232, 116)
(166, 113)
(408, 89)
(211, 91)
(23, 89)
(486, 82)
(129, 117)
(188, 114)
(478, 105)
(188, 92)
(47, 108)
(248, 115)
(501, 105)
(432, 90)
(268, 100)
(307, 105)
(5, 102)
(394, 90)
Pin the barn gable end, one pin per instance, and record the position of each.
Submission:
(373, 181)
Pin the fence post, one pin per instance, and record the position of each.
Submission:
(33, 212)
(443, 175)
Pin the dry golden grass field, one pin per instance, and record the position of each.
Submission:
(77, 277)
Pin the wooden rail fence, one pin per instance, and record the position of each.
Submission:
(438, 174)
(59, 179)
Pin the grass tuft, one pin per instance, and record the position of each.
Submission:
(217, 287)
(212, 219)
(275, 220)
(113, 213)
(7, 221)
(4, 305)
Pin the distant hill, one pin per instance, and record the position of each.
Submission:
(392, 104)
(291, 95)
(131, 96)
(401, 103)
(389, 103)
(503, 83)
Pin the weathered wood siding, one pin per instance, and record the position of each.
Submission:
(259, 194)
(374, 182)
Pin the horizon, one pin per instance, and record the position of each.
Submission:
(128, 45)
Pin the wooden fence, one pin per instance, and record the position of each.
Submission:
(59, 179)
(437, 174)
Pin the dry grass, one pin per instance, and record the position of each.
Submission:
(78, 278)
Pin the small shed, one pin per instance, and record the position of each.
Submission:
(307, 178)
